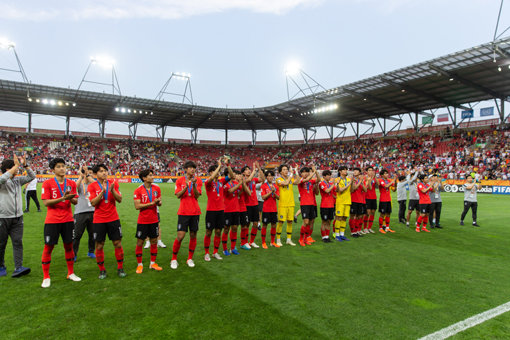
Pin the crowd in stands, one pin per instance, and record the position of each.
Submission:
(453, 155)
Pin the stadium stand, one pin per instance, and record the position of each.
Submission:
(453, 154)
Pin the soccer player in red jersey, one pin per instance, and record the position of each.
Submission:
(358, 188)
(58, 193)
(385, 201)
(328, 199)
(231, 192)
(147, 198)
(188, 189)
(252, 202)
(306, 188)
(103, 195)
(371, 198)
(423, 190)
(215, 215)
(270, 193)
(244, 198)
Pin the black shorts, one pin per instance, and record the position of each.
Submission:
(232, 219)
(214, 220)
(253, 213)
(112, 228)
(371, 204)
(385, 207)
(261, 206)
(424, 208)
(309, 212)
(327, 214)
(243, 218)
(53, 230)
(413, 205)
(150, 230)
(357, 209)
(188, 223)
(269, 217)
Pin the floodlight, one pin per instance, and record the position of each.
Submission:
(45, 101)
(499, 68)
(29, 99)
(53, 102)
(103, 61)
(116, 109)
(5, 43)
(38, 100)
(123, 110)
(292, 68)
(74, 104)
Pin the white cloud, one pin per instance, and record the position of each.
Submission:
(124, 9)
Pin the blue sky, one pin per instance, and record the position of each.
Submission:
(235, 50)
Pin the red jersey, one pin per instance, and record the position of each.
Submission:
(144, 195)
(230, 199)
(270, 202)
(385, 192)
(252, 200)
(424, 197)
(60, 212)
(370, 193)
(358, 195)
(306, 192)
(214, 190)
(106, 210)
(327, 199)
(189, 204)
(242, 197)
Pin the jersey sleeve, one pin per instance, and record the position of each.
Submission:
(322, 186)
(136, 195)
(199, 185)
(179, 185)
(73, 188)
(116, 186)
(279, 181)
(92, 192)
(46, 191)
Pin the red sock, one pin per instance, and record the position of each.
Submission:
(253, 234)
(119, 255)
(224, 240)
(358, 222)
(217, 240)
(192, 246)
(387, 221)
(418, 221)
(308, 232)
(69, 253)
(100, 259)
(302, 233)
(263, 234)
(233, 239)
(370, 221)
(207, 243)
(175, 249)
(323, 233)
(46, 260)
(154, 252)
(365, 222)
(425, 220)
(351, 225)
(381, 221)
(273, 234)
(138, 253)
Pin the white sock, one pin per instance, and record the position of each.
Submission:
(342, 233)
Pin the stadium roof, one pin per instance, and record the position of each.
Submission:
(463, 77)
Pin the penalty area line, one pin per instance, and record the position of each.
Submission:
(468, 323)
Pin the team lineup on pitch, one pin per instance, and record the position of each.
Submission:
(234, 200)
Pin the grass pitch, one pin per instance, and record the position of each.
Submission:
(399, 286)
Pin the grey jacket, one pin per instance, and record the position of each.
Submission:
(402, 190)
(11, 204)
(413, 189)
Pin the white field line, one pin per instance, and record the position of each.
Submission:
(468, 323)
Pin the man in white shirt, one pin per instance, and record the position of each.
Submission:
(31, 193)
